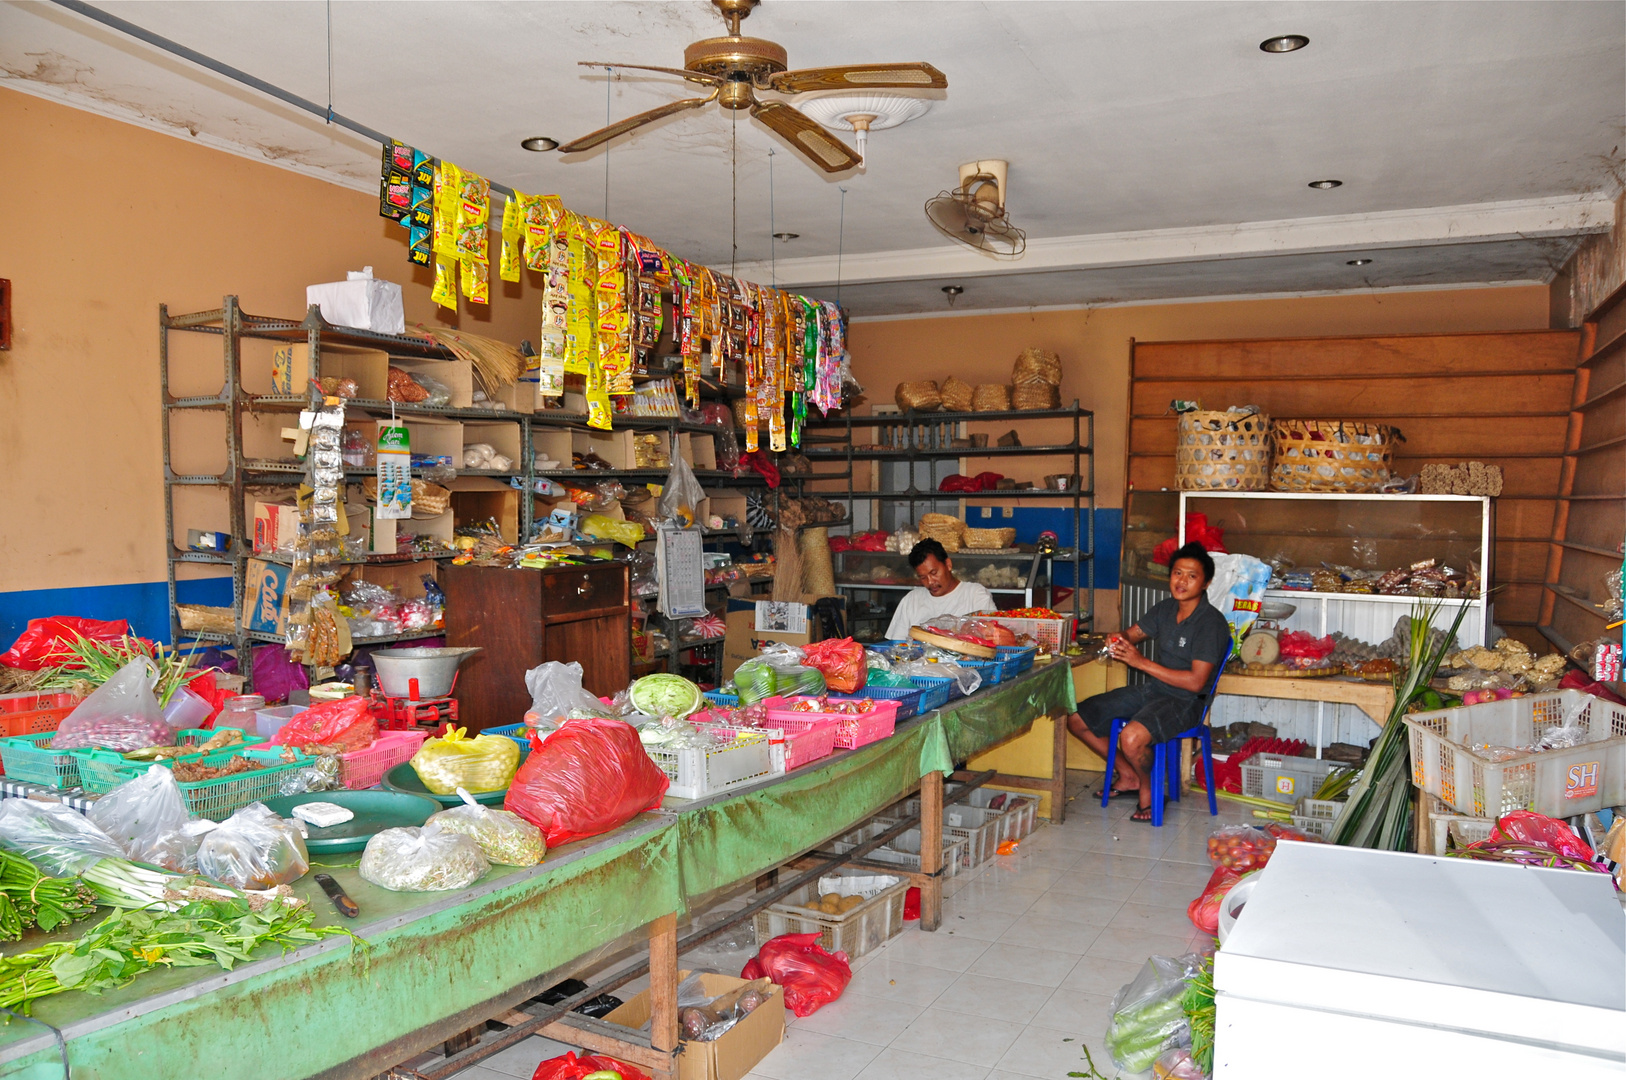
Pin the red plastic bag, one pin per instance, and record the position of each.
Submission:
(42, 644)
(840, 661)
(811, 977)
(911, 904)
(1204, 911)
(1240, 848)
(571, 1067)
(1529, 827)
(346, 724)
(588, 777)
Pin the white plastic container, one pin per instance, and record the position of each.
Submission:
(696, 772)
(866, 927)
(267, 722)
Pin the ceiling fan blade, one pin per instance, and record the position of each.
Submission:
(856, 76)
(682, 73)
(621, 127)
(807, 136)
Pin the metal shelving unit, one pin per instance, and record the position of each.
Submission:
(925, 438)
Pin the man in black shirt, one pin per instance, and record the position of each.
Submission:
(1192, 637)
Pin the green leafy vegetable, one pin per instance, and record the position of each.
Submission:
(1198, 1002)
(29, 898)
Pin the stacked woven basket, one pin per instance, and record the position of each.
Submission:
(955, 534)
(1036, 384)
(1243, 450)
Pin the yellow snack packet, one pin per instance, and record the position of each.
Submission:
(444, 293)
(513, 222)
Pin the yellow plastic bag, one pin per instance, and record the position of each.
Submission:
(483, 763)
(607, 528)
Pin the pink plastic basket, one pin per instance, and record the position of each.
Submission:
(806, 740)
(851, 731)
(365, 768)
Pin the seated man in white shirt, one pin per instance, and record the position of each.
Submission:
(939, 593)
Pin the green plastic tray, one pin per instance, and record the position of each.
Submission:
(375, 811)
(404, 779)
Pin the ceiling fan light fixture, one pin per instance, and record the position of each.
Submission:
(1284, 43)
(953, 293)
(539, 143)
(1358, 262)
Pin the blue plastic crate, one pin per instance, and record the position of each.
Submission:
(993, 671)
(908, 699)
(718, 697)
(1017, 658)
(935, 691)
(518, 732)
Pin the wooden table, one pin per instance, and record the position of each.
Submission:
(1376, 700)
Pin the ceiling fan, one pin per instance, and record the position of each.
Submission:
(735, 67)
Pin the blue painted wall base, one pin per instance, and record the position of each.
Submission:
(1030, 521)
(143, 603)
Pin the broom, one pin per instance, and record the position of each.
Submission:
(496, 363)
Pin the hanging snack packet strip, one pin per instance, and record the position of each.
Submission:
(513, 223)
(395, 182)
(473, 218)
(448, 179)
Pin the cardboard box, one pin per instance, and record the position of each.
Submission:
(440, 438)
(276, 526)
(724, 503)
(520, 397)
(291, 369)
(382, 531)
(456, 376)
(743, 641)
(501, 435)
(699, 450)
(733, 1054)
(614, 447)
(555, 445)
(265, 596)
(475, 498)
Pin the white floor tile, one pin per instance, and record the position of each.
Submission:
(1100, 977)
(1115, 864)
(1115, 944)
(1074, 1011)
(1185, 873)
(807, 1055)
(886, 977)
(1089, 910)
(896, 1064)
(1147, 919)
(1012, 899)
(975, 1039)
(1042, 1052)
(981, 924)
(1050, 932)
(1096, 883)
(481, 1072)
(1169, 894)
(1043, 967)
(938, 950)
(522, 1058)
(876, 1020)
(1003, 999)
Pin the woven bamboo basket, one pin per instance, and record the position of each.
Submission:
(1223, 451)
(205, 620)
(818, 571)
(1037, 366)
(1029, 396)
(991, 397)
(957, 395)
(428, 500)
(946, 530)
(1331, 455)
(920, 396)
(989, 538)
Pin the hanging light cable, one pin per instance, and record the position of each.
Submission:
(734, 193)
(609, 74)
(841, 235)
(330, 61)
(773, 256)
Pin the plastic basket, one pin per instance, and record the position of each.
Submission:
(1019, 814)
(1285, 779)
(852, 731)
(935, 692)
(1016, 658)
(699, 771)
(35, 713)
(29, 758)
(1317, 816)
(993, 671)
(718, 697)
(100, 771)
(802, 741)
(1559, 783)
(980, 827)
(908, 698)
(904, 849)
(216, 799)
(1049, 635)
(520, 733)
(864, 928)
(365, 768)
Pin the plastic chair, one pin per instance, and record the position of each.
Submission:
(1165, 766)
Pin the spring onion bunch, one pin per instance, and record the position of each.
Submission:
(92, 661)
(28, 898)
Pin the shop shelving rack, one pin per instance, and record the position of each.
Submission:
(232, 326)
(914, 437)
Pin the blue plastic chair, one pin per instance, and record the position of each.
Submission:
(1166, 766)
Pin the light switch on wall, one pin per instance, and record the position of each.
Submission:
(1009, 511)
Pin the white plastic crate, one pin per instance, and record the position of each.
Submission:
(1316, 816)
(1019, 814)
(1559, 783)
(903, 850)
(699, 771)
(863, 929)
(1051, 635)
(981, 828)
(1284, 779)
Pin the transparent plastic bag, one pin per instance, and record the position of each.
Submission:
(681, 495)
(147, 817)
(604, 527)
(254, 849)
(1147, 1017)
(556, 689)
(483, 763)
(430, 859)
(504, 837)
(58, 839)
(121, 715)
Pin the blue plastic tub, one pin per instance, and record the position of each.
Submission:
(935, 691)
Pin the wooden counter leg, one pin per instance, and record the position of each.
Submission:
(931, 850)
(1058, 772)
(663, 983)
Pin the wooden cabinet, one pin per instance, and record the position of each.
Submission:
(521, 618)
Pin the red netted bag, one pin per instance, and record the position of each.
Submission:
(811, 977)
(345, 725)
(571, 1067)
(586, 778)
(840, 661)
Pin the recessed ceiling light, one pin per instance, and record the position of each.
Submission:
(953, 292)
(785, 237)
(539, 143)
(1325, 185)
(1285, 43)
(1357, 262)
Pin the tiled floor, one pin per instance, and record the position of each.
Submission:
(1021, 975)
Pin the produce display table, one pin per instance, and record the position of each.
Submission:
(436, 964)
(1376, 700)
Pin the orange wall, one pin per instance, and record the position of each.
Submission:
(103, 222)
(1094, 347)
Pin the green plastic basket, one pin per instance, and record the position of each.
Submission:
(29, 758)
(216, 799)
(100, 771)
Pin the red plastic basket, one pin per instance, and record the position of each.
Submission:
(34, 713)
(365, 768)
(851, 731)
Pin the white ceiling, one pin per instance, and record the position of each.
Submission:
(1128, 119)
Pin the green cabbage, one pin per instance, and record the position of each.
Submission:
(665, 695)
